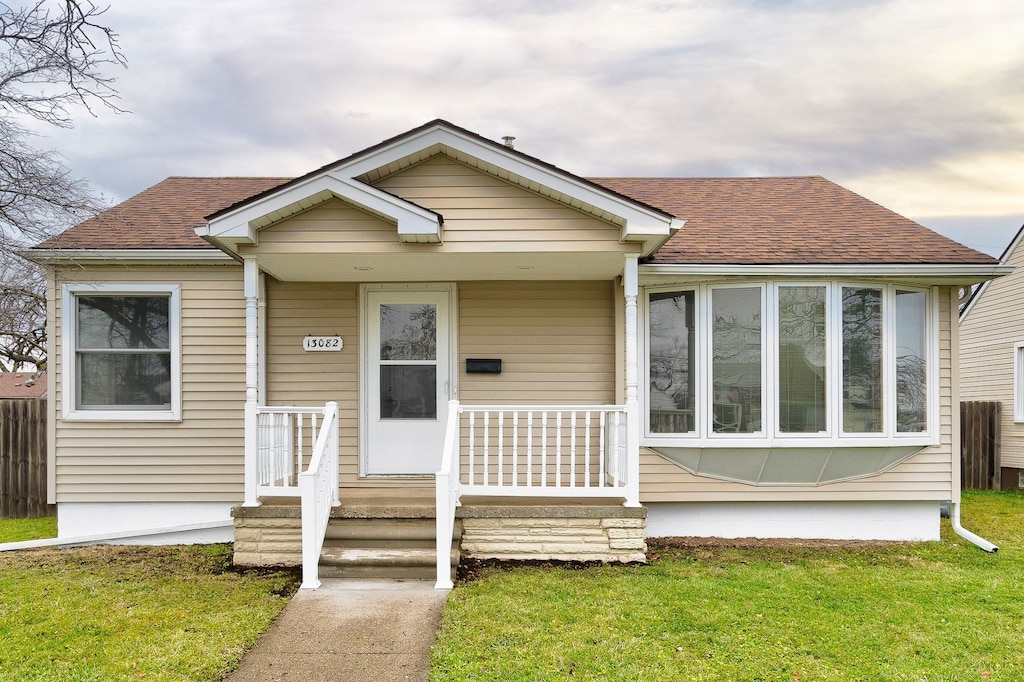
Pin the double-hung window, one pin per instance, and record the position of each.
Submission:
(789, 362)
(121, 359)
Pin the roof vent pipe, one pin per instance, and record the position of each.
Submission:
(508, 140)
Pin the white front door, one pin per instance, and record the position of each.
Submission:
(408, 379)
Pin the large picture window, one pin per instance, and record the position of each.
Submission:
(122, 357)
(789, 361)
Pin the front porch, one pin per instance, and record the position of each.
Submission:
(515, 482)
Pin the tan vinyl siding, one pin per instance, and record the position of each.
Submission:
(556, 342)
(297, 377)
(927, 475)
(988, 334)
(481, 209)
(197, 459)
(555, 339)
(481, 213)
(332, 225)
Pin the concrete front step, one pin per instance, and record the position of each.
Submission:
(384, 544)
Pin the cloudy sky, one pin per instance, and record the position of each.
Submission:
(917, 105)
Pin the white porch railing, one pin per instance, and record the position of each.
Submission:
(285, 438)
(530, 451)
(318, 487)
(297, 456)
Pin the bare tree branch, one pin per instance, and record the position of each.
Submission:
(55, 56)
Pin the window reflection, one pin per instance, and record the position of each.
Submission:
(862, 360)
(736, 360)
(671, 357)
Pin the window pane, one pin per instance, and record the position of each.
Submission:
(862, 360)
(408, 332)
(408, 392)
(911, 366)
(123, 322)
(801, 359)
(124, 379)
(736, 364)
(671, 362)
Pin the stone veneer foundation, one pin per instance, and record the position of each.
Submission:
(564, 533)
(272, 536)
(267, 536)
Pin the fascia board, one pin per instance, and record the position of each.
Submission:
(241, 225)
(952, 273)
(638, 220)
(126, 256)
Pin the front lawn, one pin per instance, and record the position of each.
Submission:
(131, 613)
(19, 530)
(932, 611)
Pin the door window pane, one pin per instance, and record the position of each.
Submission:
(671, 362)
(408, 392)
(736, 360)
(408, 331)
(801, 359)
(911, 367)
(862, 360)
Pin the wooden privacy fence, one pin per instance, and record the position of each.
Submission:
(979, 443)
(23, 459)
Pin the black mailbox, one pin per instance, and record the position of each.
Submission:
(482, 366)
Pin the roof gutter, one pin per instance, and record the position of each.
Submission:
(946, 273)
(125, 256)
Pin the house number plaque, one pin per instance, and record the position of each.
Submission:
(322, 343)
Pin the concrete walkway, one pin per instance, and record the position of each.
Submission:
(351, 630)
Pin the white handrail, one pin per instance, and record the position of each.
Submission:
(446, 498)
(318, 487)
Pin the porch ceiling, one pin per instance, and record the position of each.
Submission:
(441, 267)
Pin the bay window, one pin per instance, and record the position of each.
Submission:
(788, 362)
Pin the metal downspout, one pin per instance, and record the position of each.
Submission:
(954, 520)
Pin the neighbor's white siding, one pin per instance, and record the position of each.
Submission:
(988, 334)
(199, 459)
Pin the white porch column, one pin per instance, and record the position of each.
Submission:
(630, 285)
(251, 278)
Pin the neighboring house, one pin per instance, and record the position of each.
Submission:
(16, 385)
(735, 357)
(992, 358)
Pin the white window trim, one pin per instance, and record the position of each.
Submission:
(1018, 382)
(769, 435)
(69, 336)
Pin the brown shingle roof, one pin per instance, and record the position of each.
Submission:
(161, 217)
(792, 220)
(733, 221)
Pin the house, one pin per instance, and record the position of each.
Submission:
(992, 359)
(551, 366)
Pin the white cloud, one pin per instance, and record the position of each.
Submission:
(916, 105)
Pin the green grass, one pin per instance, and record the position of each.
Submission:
(930, 611)
(19, 530)
(130, 613)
